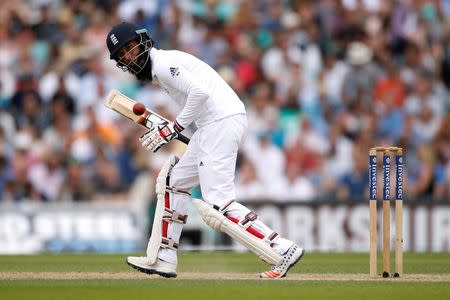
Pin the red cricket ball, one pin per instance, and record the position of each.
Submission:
(139, 109)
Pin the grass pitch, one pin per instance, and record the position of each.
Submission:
(219, 276)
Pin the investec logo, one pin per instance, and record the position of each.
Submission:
(113, 38)
(373, 178)
(387, 178)
(399, 164)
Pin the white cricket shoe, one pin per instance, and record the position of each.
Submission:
(290, 258)
(160, 267)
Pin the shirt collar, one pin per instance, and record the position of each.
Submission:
(153, 52)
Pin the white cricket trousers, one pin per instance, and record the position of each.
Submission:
(210, 162)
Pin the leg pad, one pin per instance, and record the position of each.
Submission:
(239, 231)
(163, 214)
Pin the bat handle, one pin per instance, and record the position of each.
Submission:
(183, 138)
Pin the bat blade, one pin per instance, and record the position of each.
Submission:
(123, 105)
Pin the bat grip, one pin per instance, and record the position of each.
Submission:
(146, 122)
(183, 138)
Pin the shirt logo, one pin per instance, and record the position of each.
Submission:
(113, 39)
(174, 71)
(201, 164)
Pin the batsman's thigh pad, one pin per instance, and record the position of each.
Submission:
(163, 214)
(219, 222)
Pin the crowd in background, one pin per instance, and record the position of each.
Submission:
(322, 82)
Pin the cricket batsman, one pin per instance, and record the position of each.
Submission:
(209, 160)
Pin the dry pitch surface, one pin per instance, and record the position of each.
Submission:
(320, 276)
(214, 276)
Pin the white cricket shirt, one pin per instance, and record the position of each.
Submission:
(195, 86)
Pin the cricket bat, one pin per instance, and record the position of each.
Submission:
(124, 105)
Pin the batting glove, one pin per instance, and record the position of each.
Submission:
(160, 135)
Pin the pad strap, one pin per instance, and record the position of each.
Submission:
(169, 243)
(170, 215)
(248, 220)
(247, 223)
(272, 238)
(177, 191)
(223, 209)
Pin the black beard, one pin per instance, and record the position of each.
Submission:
(146, 73)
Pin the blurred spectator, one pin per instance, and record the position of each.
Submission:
(46, 28)
(6, 174)
(269, 163)
(130, 159)
(441, 176)
(30, 111)
(412, 64)
(332, 77)
(426, 125)
(423, 94)
(334, 164)
(353, 184)
(339, 154)
(7, 125)
(106, 176)
(248, 185)
(360, 79)
(390, 89)
(47, 174)
(298, 154)
(95, 32)
(259, 106)
(298, 187)
(78, 184)
(214, 43)
(19, 187)
(420, 171)
(275, 61)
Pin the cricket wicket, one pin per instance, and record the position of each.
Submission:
(387, 151)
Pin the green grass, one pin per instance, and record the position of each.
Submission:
(219, 289)
(165, 289)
